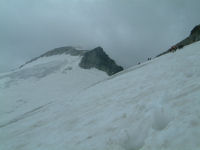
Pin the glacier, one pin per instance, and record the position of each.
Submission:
(53, 104)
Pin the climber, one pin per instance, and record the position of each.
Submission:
(173, 48)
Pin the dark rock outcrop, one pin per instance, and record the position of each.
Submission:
(193, 37)
(97, 58)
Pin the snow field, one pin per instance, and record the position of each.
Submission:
(153, 106)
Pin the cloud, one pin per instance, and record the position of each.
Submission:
(129, 31)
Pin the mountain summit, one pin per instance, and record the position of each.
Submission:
(95, 58)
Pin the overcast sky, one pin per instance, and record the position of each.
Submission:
(129, 30)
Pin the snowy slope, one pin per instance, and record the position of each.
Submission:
(153, 106)
(38, 84)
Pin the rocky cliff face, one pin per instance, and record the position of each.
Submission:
(97, 58)
(193, 37)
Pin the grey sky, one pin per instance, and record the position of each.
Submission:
(129, 30)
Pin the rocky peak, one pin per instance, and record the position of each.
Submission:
(196, 30)
(97, 58)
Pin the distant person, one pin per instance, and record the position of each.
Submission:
(173, 48)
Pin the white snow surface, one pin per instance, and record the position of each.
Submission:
(52, 104)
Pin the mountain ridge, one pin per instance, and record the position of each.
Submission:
(192, 38)
(58, 51)
(95, 58)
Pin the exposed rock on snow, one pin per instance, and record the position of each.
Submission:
(97, 58)
(193, 37)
